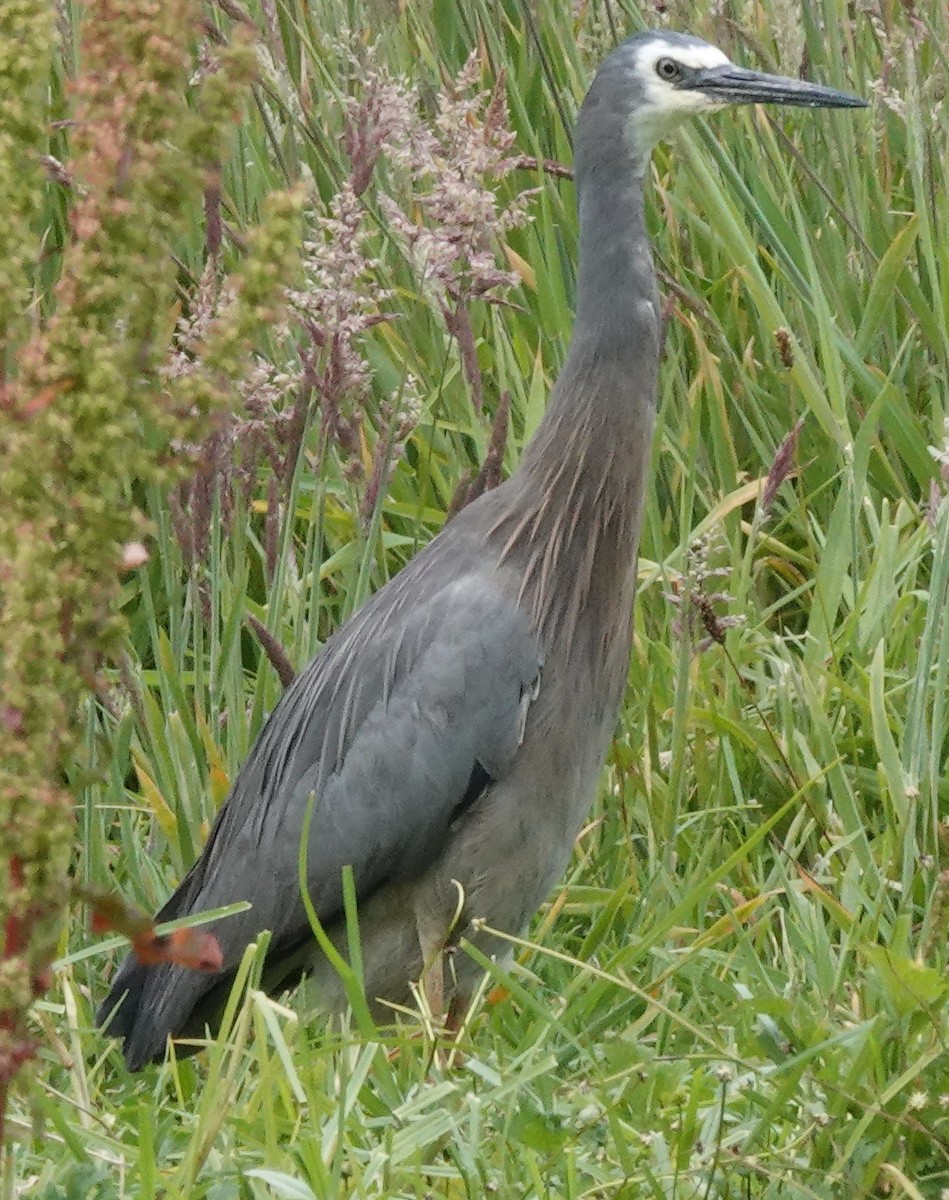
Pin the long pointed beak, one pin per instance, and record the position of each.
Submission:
(729, 84)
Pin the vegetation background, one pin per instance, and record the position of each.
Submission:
(740, 989)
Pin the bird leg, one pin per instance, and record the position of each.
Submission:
(447, 1021)
(433, 981)
(433, 939)
(457, 1011)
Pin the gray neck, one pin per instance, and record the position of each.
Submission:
(616, 293)
(569, 524)
(613, 358)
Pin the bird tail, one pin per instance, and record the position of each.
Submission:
(122, 1013)
(148, 1004)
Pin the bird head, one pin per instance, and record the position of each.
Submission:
(658, 79)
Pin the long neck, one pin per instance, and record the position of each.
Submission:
(571, 529)
(616, 290)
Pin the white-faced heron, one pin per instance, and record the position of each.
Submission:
(448, 737)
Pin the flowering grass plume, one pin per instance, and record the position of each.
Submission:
(696, 601)
(781, 467)
(434, 179)
(456, 221)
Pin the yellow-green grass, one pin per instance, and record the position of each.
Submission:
(740, 989)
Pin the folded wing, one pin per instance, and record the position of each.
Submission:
(396, 726)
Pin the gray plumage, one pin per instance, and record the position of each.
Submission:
(451, 733)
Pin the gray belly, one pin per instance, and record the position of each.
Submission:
(499, 865)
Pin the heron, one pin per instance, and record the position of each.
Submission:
(445, 744)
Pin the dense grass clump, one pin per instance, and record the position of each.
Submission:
(740, 989)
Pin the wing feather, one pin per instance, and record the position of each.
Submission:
(386, 729)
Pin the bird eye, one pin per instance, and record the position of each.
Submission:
(668, 69)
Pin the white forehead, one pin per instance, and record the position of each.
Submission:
(691, 54)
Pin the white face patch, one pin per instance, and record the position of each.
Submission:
(666, 105)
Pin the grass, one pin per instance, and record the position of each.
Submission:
(739, 990)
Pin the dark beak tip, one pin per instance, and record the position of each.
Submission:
(846, 101)
(842, 101)
(736, 85)
(834, 99)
